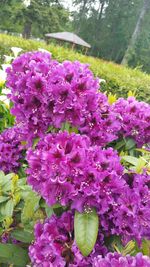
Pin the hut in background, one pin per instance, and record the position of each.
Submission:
(68, 37)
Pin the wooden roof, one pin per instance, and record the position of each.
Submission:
(68, 37)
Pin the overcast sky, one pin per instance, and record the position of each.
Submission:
(68, 3)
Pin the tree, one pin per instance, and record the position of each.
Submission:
(136, 32)
(36, 19)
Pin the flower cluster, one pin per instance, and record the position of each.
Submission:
(117, 260)
(65, 168)
(27, 81)
(134, 118)
(58, 170)
(53, 242)
(10, 150)
(54, 245)
(132, 213)
(47, 93)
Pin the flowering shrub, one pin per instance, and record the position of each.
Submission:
(60, 173)
(46, 93)
(87, 192)
(134, 118)
(132, 213)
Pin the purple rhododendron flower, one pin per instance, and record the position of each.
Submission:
(48, 93)
(10, 150)
(134, 118)
(65, 168)
(132, 213)
(54, 244)
(117, 260)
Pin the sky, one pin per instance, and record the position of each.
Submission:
(68, 4)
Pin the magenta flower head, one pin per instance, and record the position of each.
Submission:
(64, 168)
(47, 93)
(132, 214)
(134, 118)
(54, 244)
(117, 260)
(27, 81)
(10, 150)
(53, 241)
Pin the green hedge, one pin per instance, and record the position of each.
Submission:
(120, 80)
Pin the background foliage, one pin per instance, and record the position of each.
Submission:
(108, 25)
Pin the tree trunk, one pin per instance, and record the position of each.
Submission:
(98, 23)
(27, 30)
(136, 33)
(81, 15)
(101, 10)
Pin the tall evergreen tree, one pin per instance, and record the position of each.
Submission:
(38, 18)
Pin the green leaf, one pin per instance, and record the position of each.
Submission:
(140, 165)
(35, 142)
(86, 231)
(5, 181)
(129, 248)
(131, 160)
(65, 126)
(49, 211)
(111, 98)
(12, 254)
(114, 243)
(23, 236)
(132, 93)
(6, 208)
(120, 144)
(130, 144)
(1, 230)
(2, 218)
(1, 176)
(73, 130)
(144, 151)
(30, 206)
(3, 199)
(57, 206)
(146, 247)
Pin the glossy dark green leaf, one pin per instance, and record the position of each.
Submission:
(130, 144)
(86, 231)
(23, 236)
(13, 254)
(30, 206)
(49, 211)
